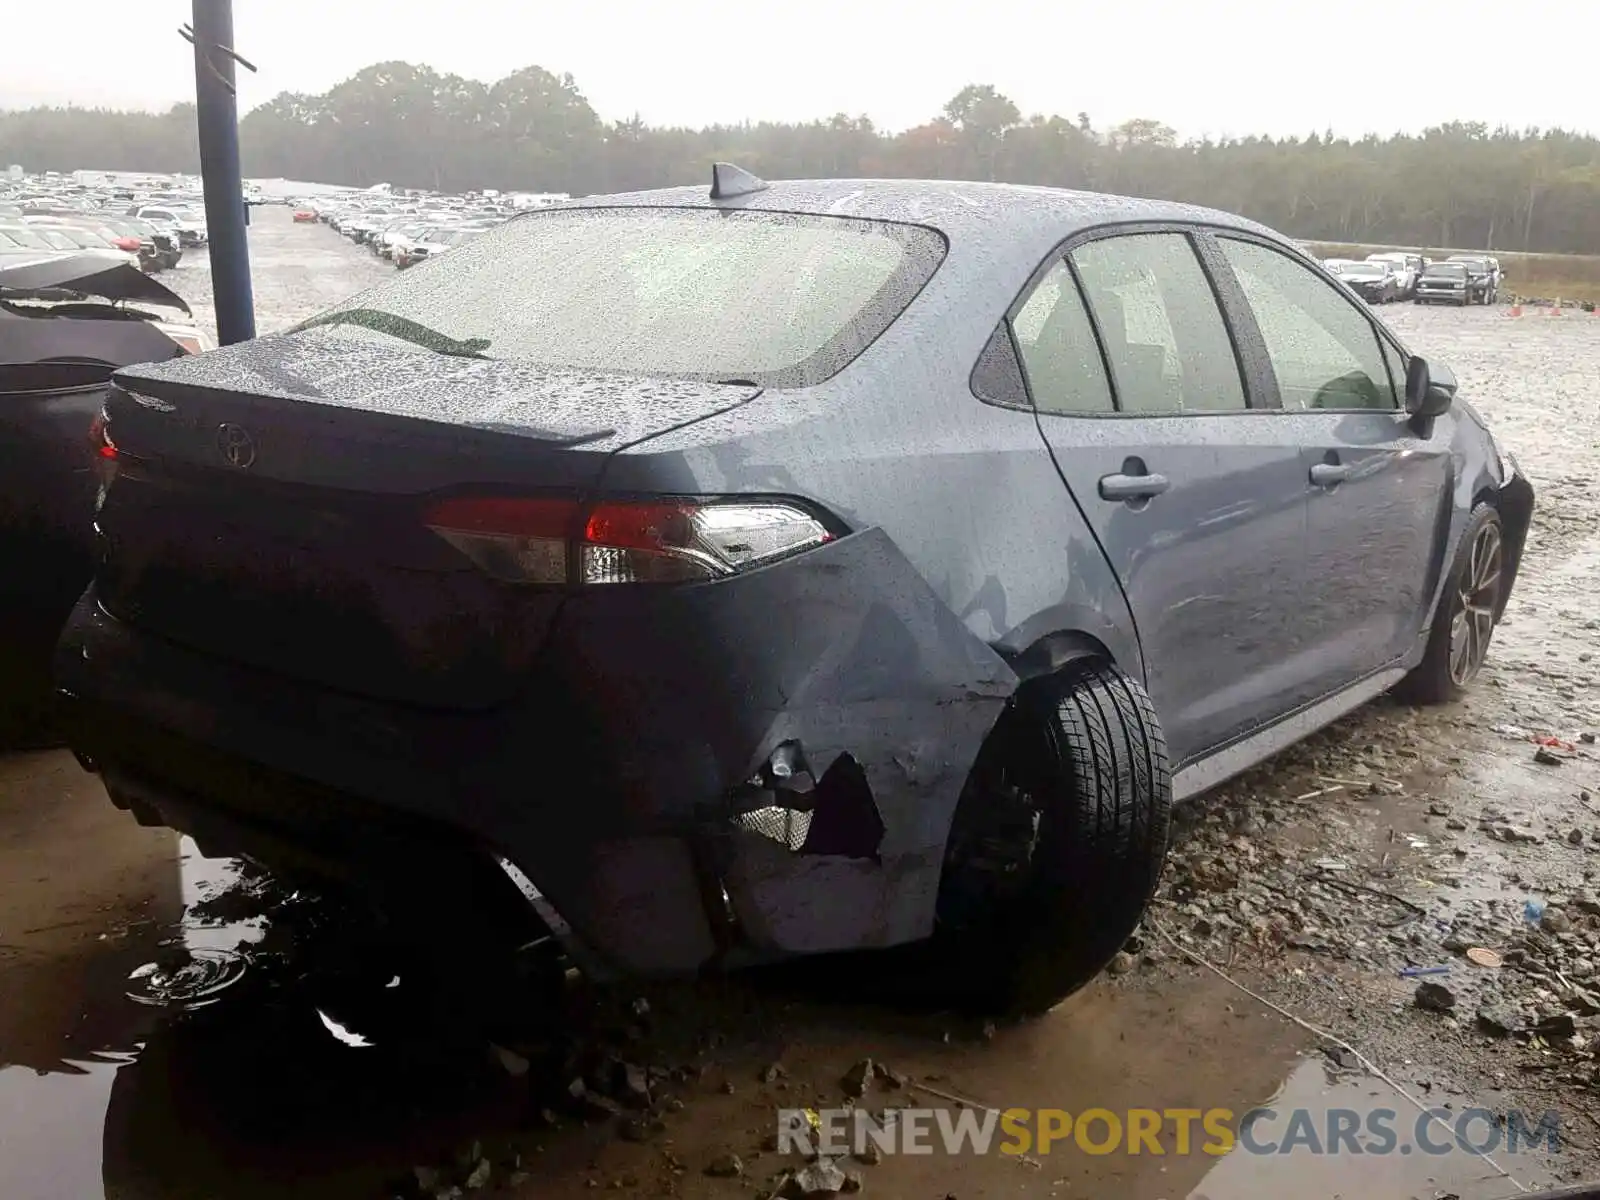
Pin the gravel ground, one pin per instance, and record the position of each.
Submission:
(1398, 839)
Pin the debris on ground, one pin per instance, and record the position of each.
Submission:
(1435, 997)
(825, 1177)
(857, 1079)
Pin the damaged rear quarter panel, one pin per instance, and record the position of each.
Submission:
(845, 650)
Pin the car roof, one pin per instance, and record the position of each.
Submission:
(1034, 219)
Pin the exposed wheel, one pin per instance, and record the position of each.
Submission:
(1468, 609)
(1058, 841)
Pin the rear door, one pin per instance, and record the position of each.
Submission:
(1197, 501)
(1379, 490)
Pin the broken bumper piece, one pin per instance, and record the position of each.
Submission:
(736, 771)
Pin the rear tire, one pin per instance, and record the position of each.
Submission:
(1058, 841)
(1469, 608)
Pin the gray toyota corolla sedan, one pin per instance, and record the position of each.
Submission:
(710, 577)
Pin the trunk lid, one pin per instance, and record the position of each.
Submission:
(270, 498)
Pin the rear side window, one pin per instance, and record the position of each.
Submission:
(1059, 355)
(1164, 335)
(1324, 351)
(779, 299)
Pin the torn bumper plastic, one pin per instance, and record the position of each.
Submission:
(757, 767)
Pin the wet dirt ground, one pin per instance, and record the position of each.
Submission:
(1396, 840)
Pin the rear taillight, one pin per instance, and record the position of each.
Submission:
(541, 541)
(100, 442)
(104, 451)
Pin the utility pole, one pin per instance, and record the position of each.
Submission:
(217, 114)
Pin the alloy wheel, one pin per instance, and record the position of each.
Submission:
(1474, 604)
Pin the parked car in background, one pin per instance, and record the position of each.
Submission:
(137, 236)
(437, 242)
(1445, 283)
(189, 225)
(1483, 274)
(1374, 281)
(1407, 269)
(305, 216)
(391, 242)
(67, 236)
(17, 238)
(660, 487)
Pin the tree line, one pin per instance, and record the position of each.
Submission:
(1463, 184)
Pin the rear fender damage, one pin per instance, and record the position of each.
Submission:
(837, 840)
(822, 716)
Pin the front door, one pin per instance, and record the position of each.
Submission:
(1197, 501)
(1379, 489)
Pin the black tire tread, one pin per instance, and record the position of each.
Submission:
(1107, 786)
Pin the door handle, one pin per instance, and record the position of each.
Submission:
(1132, 487)
(1329, 474)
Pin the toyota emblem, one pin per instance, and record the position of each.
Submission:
(237, 447)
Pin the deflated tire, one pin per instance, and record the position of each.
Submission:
(1058, 841)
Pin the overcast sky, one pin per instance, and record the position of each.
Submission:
(1246, 66)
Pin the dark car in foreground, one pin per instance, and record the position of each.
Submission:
(708, 579)
(67, 321)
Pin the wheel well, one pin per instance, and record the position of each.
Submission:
(1055, 650)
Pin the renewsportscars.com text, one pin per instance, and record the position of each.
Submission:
(1176, 1131)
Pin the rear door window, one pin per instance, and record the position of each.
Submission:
(1323, 348)
(1060, 356)
(1163, 330)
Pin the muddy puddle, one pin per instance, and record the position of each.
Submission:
(240, 1090)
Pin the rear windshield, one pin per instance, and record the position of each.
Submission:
(778, 299)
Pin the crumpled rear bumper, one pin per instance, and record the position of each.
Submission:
(635, 782)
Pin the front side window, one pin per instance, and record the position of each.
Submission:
(1323, 349)
(1164, 334)
(1059, 355)
(778, 299)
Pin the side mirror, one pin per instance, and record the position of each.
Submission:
(1430, 390)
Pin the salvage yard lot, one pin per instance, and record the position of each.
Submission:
(1569, 277)
(1395, 840)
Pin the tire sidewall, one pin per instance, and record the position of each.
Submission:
(1083, 897)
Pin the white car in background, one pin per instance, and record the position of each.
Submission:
(189, 225)
(1407, 269)
(438, 241)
